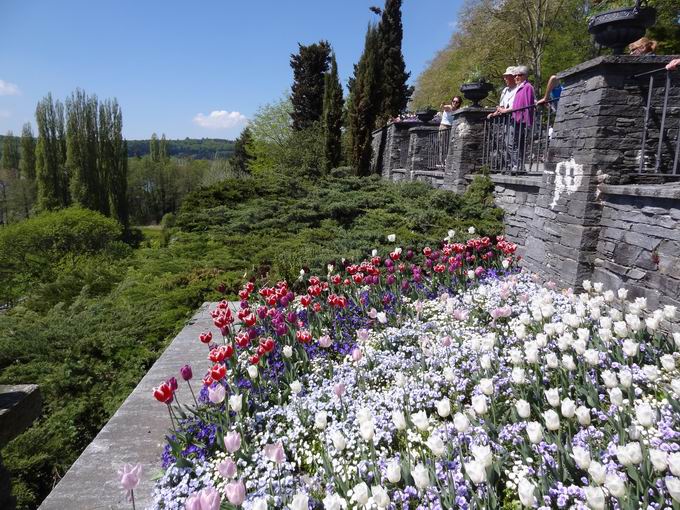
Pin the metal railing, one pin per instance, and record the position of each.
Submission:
(517, 142)
(436, 148)
(659, 153)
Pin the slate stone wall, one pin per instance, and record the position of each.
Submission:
(639, 242)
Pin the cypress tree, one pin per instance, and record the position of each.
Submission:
(240, 160)
(10, 152)
(395, 92)
(154, 148)
(332, 117)
(27, 163)
(309, 67)
(50, 155)
(363, 103)
(82, 149)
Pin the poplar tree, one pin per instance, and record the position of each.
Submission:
(309, 67)
(27, 162)
(82, 146)
(113, 154)
(163, 148)
(50, 155)
(154, 148)
(10, 152)
(332, 117)
(364, 102)
(395, 92)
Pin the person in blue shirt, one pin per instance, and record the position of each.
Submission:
(553, 91)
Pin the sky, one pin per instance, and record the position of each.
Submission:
(198, 69)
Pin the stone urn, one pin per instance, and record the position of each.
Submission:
(426, 115)
(476, 91)
(617, 28)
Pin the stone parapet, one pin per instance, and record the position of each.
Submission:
(465, 147)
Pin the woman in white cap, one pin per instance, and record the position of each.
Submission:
(508, 93)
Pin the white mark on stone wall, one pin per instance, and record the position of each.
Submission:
(462, 129)
(568, 177)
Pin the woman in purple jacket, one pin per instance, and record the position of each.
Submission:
(523, 116)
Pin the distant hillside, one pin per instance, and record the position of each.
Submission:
(203, 148)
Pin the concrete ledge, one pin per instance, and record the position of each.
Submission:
(533, 181)
(135, 434)
(668, 191)
(20, 406)
(429, 173)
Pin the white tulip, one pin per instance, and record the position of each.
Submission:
(287, 351)
(615, 485)
(645, 414)
(669, 312)
(421, 476)
(461, 422)
(485, 362)
(583, 415)
(541, 339)
(598, 286)
(651, 372)
(620, 329)
(625, 377)
(615, 314)
(568, 362)
(334, 502)
(608, 296)
(444, 407)
(595, 498)
(360, 494)
(367, 430)
(675, 386)
(659, 459)
(674, 463)
(629, 454)
(526, 490)
(300, 502)
(436, 445)
(673, 486)
(471, 230)
(483, 454)
(634, 432)
(295, 387)
(364, 414)
(518, 375)
(581, 456)
(476, 471)
(394, 471)
(399, 419)
(261, 504)
(479, 405)
(668, 362)
(338, 440)
(609, 379)
(553, 397)
(420, 420)
(391, 238)
(534, 432)
(579, 347)
(551, 360)
(448, 374)
(252, 371)
(676, 338)
(552, 420)
(616, 397)
(568, 408)
(486, 386)
(400, 379)
(605, 334)
(587, 286)
(380, 496)
(523, 408)
(321, 420)
(597, 472)
(622, 293)
(236, 403)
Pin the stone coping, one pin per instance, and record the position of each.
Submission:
(429, 173)
(660, 60)
(20, 406)
(671, 192)
(135, 433)
(530, 180)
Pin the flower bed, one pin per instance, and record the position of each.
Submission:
(450, 380)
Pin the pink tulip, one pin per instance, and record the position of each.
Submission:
(232, 441)
(129, 476)
(236, 492)
(193, 502)
(325, 341)
(362, 334)
(339, 390)
(227, 468)
(357, 354)
(460, 315)
(207, 499)
(216, 395)
(446, 341)
(275, 453)
(373, 313)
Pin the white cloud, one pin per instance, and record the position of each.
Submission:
(8, 89)
(221, 119)
(4, 114)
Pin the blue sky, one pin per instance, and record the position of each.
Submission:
(172, 64)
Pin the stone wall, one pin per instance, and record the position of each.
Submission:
(639, 242)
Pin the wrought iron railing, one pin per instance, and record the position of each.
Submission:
(436, 149)
(659, 152)
(517, 142)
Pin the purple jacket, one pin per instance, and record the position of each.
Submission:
(524, 97)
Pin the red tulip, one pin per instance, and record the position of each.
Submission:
(217, 372)
(254, 359)
(163, 393)
(205, 337)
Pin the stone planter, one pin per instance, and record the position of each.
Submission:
(618, 28)
(476, 91)
(426, 115)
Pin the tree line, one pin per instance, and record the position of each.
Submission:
(315, 128)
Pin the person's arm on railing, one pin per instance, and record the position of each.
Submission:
(552, 83)
(673, 64)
